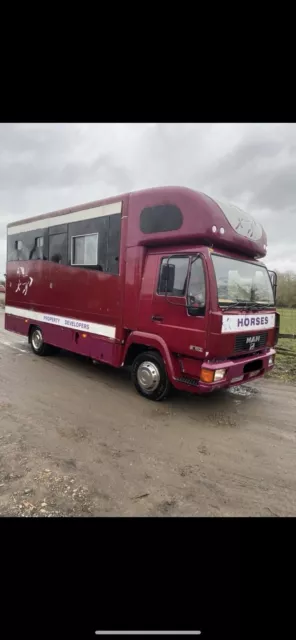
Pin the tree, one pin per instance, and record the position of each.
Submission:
(286, 290)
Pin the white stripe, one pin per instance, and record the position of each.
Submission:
(60, 321)
(85, 214)
(13, 346)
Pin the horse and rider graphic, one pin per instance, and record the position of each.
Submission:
(24, 282)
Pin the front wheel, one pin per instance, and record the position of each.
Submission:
(39, 347)
(150, 377)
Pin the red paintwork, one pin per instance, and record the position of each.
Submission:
(128, 301)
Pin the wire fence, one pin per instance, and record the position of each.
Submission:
(287, 323)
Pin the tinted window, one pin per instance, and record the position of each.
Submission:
(85, 249)
(113, 244)
(37, 252)
(28, 245)
(58, 228)
(180, 267)
(58, 248)
(107, 229)
(53, 244)
(164, 217)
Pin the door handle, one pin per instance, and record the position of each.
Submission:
(157, 319)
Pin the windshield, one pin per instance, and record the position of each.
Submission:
(240, 282)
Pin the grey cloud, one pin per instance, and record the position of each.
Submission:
(278, 190)
(256, 167)
(44, 167)
(43, 174)
(242, 158)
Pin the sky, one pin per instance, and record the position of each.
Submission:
(44, 167)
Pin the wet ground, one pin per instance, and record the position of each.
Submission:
(76, 439)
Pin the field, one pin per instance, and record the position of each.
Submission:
(285, 367)
(288, 320)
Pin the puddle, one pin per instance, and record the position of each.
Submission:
(243, 391)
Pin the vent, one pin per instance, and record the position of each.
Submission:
(250, 342)
(190, 381)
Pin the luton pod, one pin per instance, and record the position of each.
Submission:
(167, 281)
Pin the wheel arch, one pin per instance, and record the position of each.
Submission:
(31, 328)
(139, 342)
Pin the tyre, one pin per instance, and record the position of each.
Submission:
(150, 377)
(39, 347)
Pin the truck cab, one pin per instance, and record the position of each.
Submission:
(209, 308)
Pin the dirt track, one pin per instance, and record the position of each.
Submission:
(75, 439)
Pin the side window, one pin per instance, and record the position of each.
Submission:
(160, 218)
(84, 250)
(29, 245)
(196, 288)
(22, 249)
(176, 286)
(58, 248)
(37, 251)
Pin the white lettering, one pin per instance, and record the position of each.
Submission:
(71, 323)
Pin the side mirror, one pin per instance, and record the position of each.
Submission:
(167, 278)
(273, 280)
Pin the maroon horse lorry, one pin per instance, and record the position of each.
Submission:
(166, 280)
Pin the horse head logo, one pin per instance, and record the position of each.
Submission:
(24, 282)
(226, 323)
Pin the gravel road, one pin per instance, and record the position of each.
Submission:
(76, 439)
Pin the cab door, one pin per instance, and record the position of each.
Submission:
(178, 300)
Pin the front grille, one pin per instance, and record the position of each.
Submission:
(243, 342)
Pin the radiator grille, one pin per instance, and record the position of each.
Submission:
(244, 341)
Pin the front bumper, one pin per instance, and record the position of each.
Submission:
(237, 372)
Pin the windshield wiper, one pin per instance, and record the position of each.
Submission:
(238, 303)
(248, 305)
(260, 305)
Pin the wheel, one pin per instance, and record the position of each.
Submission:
(39, 347)
(150, 377)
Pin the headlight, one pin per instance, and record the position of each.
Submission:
(270, 361)
(219, 374)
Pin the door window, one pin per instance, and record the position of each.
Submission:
(178, 280)
(196, 297)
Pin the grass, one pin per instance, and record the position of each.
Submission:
(288, 320)
(285, 361)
